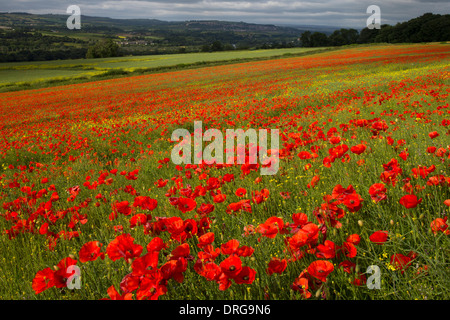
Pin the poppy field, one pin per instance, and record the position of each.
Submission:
(92, 207)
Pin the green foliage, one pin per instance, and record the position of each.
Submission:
(103, 49)
(426, 28)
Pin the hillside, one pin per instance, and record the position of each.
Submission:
(30, 37)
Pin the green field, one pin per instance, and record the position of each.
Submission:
(26, 75)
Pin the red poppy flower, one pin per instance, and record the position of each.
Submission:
(335, 139)
(353, 202)
(138, 219)
(61, 275)
(313, 182)
(276, 265)
(231, 266)
(174, 269)
(358, 149)
(338, 152)
(354, 238)
(123, 247)
(431, 149)
(410, 201)
(361, 122)
(90, 251)
(156, 244)
(349, 249)
(161, 183)
(244, 251)
(379, 237)
(440, 224)
(219, 198)
(304, 155)
(182, 251)
(122, 207)
(205, 239)
(186, 204)
(404, 155)
(348, 266)
(145, 264)
(271, 227)
(44, 228)
(400, 261)
(238, 206)
(320, 269)
(326, 250)
(301, 284)
(203, 225)
(43, 280)
(230, 247)
(151, 286)
(146, 203)
(205, 209)
(246, 275)
(209, 270)
(114, 295)
(223, 281)
(377, 192)
(433, 134)
(241, 192)
(298, 240)
(54, 197)
(209, 253)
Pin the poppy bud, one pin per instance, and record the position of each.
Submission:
(421, 216)
(71, 256)
(391, 222)
(318, 293)
(357, 268)
(360, 223)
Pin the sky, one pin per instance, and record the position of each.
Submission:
(341, 13)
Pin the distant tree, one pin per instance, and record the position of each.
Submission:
(384, 33)
(217, 46)
(305, 38)
(319, 39)
(367, 35)
(336, 38)
(343, 37)
(206, 48)
(103, 49)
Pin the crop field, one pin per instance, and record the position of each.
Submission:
(93, 207)
(23, 75)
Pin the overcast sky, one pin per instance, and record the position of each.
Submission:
(342, 13)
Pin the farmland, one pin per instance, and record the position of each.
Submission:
(86, 179)
(30, 75)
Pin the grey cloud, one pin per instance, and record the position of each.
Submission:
(343, 13)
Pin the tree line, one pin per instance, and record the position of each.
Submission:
(426, 28)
